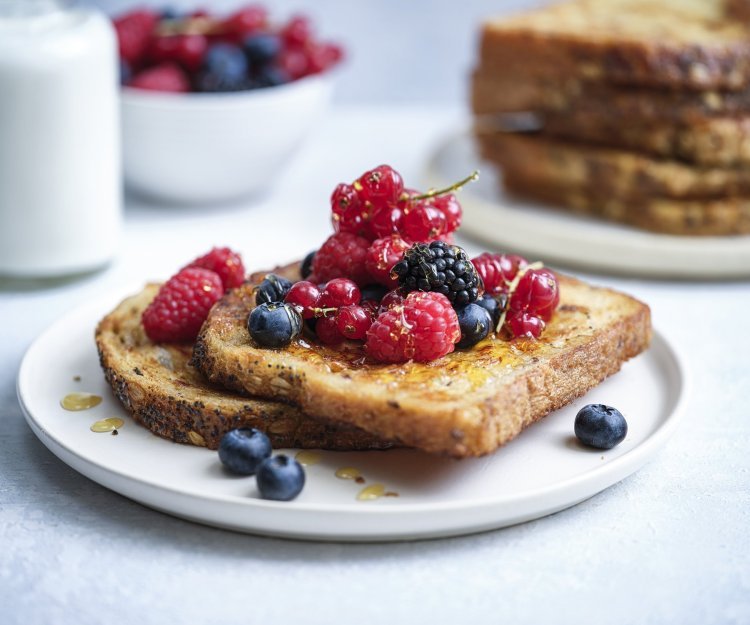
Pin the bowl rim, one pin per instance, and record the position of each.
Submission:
(196, 100)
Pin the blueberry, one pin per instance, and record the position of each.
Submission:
(493, 305)
(271, 77)
(242, 450)
(211, 82)
(274, 324)
(306, 268)
(273, 288)
(373, 292)
(475, 323)
(225, 61)
(600, 426)
(280, 478)
(261, 49)
(170, 13)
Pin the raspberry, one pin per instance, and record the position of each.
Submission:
(187, 50)
(297, 31)
(245, 22)
(226, 263)
(498, 270)
(382, 255)
(181, 306)
(134, 31)
(322, 56)
(424, 328)
(341, 256)
(164, 77)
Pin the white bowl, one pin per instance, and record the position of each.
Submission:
(194, 148)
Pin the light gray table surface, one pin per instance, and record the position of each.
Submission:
(667, 545)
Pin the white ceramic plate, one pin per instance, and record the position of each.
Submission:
(543, 471)
(557, 236)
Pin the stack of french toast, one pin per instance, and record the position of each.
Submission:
(640, 110)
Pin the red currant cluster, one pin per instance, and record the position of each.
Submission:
(166, 51)
(529, 293)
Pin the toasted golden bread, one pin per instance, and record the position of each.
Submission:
(163, 392)
(620, 172)
(689, 44)
(466, 404)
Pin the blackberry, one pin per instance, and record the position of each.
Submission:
(442, 268)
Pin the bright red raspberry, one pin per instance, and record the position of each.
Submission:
(423, 223)
(134, 30)
(524, 324)
(353, 322)
(380, 186)
(226, 263)
(181, 306)
(164, 77)
(341, 256)
(449, 206)
(424, 328)
(537, 293)
(297, 31)
(304, 296)
(187, 50)
(382, 255)
(246, 21)
(327, 330)
(498, 270)
(339, 292)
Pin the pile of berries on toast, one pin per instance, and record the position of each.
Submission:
(199, 52)
(391, 277)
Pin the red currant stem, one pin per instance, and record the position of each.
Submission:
(512, 289)
(454, 187)
(322, 312)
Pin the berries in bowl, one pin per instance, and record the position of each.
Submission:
(214, 106)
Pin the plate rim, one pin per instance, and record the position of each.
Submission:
(611, 472)
(679, 247)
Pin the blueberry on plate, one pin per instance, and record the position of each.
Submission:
(600, 426)
(475, 323)
(271, 77)
(494, 305)
(261, 49)
(243, 449)
(274, 324)
(280, 478)
(306, 268)
(273, 288)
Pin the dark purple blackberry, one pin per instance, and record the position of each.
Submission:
(442, 268)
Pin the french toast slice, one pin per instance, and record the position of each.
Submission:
(468, 403)
(690, 44)
(620, 172)
(725, 217)
(163, 392)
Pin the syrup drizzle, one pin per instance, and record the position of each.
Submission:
(80, 401)
(348, 473)
(371, 492)
(307, 458)
(111, 424)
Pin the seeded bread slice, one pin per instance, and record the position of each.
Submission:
(690, 44)
(620, 173)
(466, 404)
(163, 392)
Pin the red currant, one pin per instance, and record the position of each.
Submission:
(423, 223)
(187, 50)
(371, 306)
(354, 221)
(525, 324)
(327, 330)
(304, 296)
(344, 198)
(382, 255)
(246, 21)
(381, 186)
(536, 293)
(339, 292)
(450, 207)
(391, 299)
(353, 322)
(297, 31)
(498, 270)
(293, 62)
(322, 56)
(386, 221)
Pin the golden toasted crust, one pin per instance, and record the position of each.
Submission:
(465, 404)
(159, 388)
(673, 43)
(620, 172)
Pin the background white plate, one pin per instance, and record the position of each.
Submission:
(541, 472)
(557, 236)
